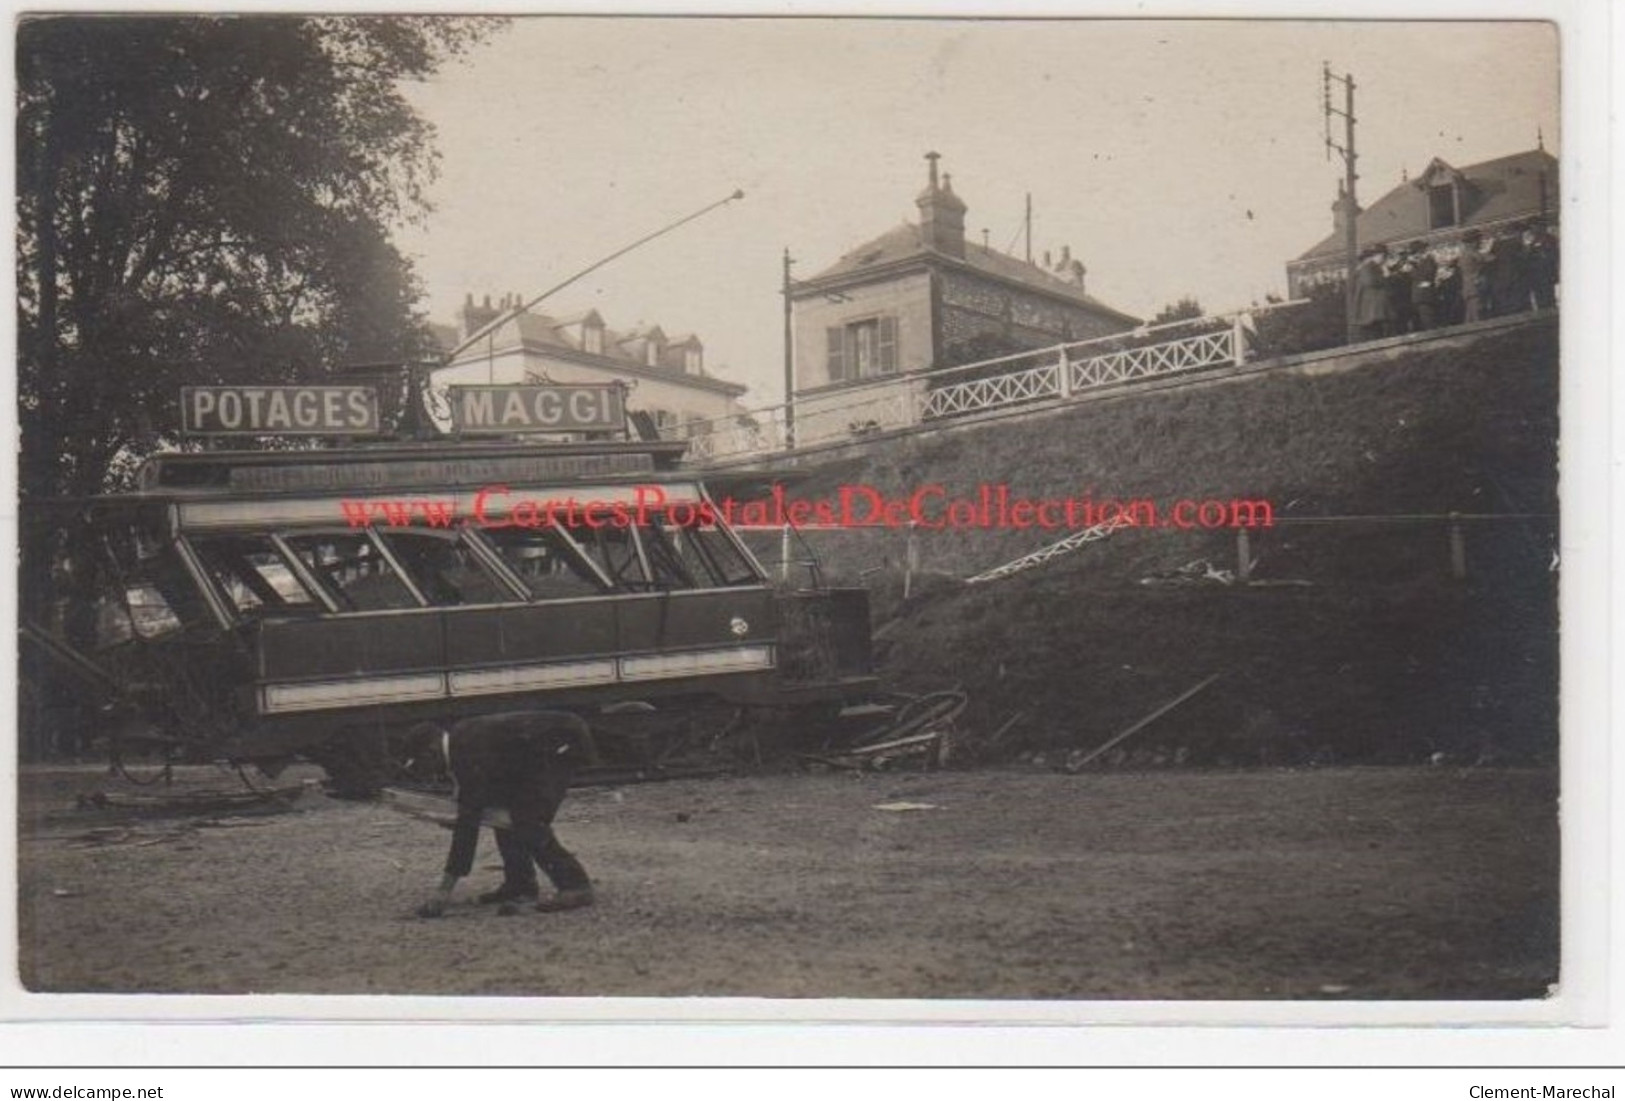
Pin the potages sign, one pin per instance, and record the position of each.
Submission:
(279, 411)
(477, 410)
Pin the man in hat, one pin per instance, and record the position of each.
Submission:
(1509, 277)
(1399, 292)
(1373, 314)
(521, 762)
(1540, 254)
(1474, 277)
(1424, 272)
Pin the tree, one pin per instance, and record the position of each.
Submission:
(1186, 309)
(1320, 321)
(206, 200)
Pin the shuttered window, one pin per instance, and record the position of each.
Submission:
(862, 349)
(837, 353)
(887, 347)
(864, 339)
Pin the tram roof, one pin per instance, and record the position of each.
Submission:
(433, 465)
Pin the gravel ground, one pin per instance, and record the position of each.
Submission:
(1376, 883)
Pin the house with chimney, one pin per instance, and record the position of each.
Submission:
(919, 297)
(666, 373)
(1496, 198)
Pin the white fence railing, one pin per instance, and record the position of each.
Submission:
(1059, 373)
(755, 433)
(992, 393)
(1206, 350)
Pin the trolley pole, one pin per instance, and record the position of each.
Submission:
(503, 318)
(1346, 199)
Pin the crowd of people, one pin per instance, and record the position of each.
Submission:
(1412, 288)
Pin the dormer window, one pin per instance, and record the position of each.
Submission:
(1443, 207)
(592, 339)
(651, 354)
(692, 358)
(1446, 192)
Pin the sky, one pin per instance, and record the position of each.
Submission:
(1174, 158)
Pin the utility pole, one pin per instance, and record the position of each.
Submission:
(789, 362)
(1027, 222)
(1346, 200)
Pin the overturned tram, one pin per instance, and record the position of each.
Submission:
(274, 605)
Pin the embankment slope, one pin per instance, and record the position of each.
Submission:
(1361, 645)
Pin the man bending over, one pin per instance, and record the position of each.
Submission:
(520, 761)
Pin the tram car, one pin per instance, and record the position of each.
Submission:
(282, 604)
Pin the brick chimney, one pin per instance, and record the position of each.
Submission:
(942, 214)
(476, 317)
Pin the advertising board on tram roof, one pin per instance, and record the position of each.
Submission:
(280, 411)
(482, 410)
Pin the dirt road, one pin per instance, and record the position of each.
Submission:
(1347, 883)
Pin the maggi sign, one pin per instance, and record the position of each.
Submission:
(477, 410)
(279, 410)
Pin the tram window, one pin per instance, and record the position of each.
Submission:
(615, 551)
(445, 569)
(172, 584)
(354, 571)
(543, 562)
(141, 610)
(158, 594)
(115, 620)
(726, 564)
(672, 559)
(150, 614)
(250, 572)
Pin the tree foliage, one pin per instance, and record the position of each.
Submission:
(1309, 326)
(1186, 309)
(206, 200)
(974, 349)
